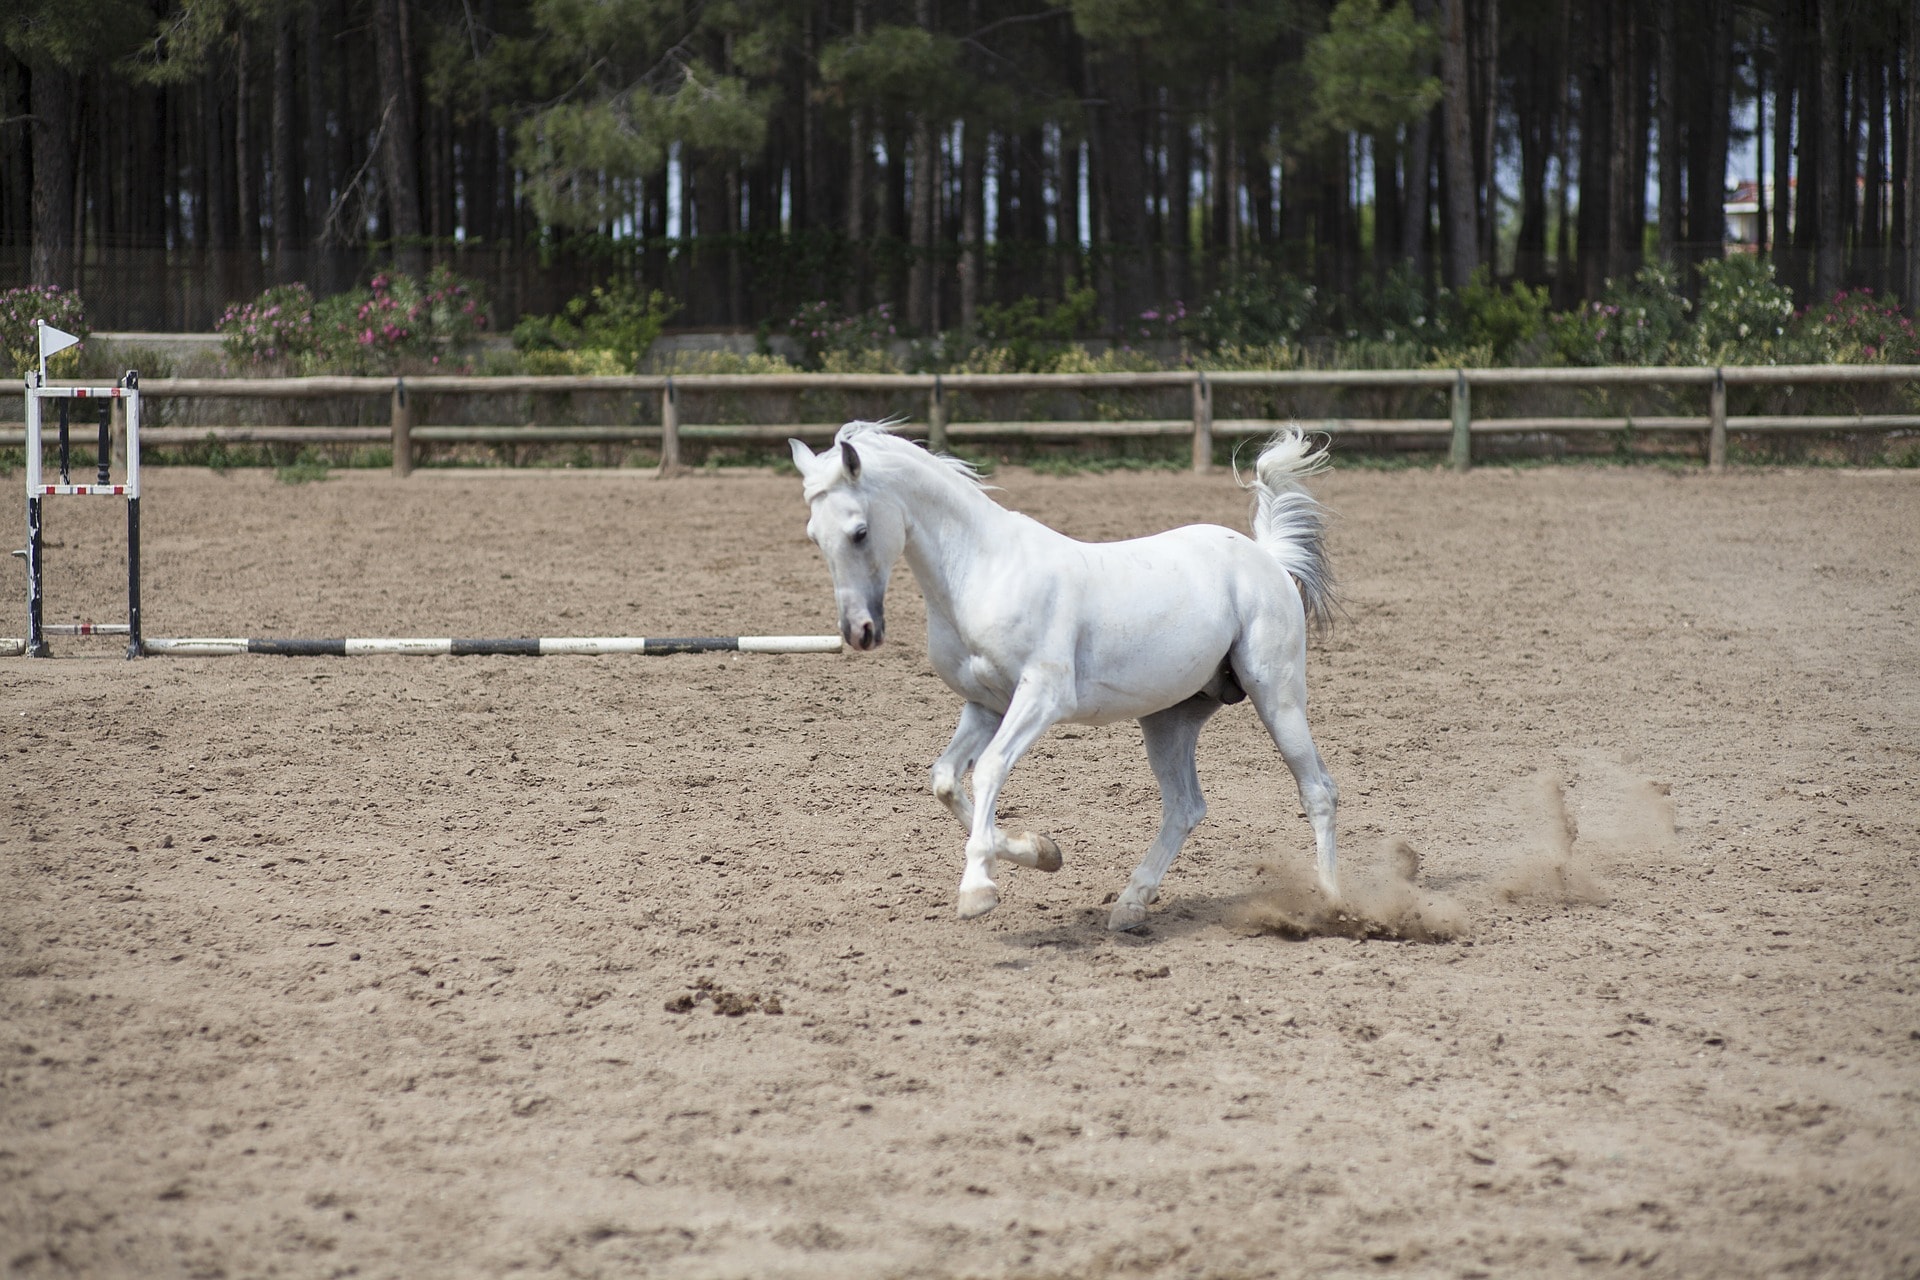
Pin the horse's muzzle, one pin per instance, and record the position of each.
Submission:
(864, 633)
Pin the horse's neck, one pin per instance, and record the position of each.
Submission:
(953, 530)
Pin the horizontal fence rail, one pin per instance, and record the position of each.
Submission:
(405, 435)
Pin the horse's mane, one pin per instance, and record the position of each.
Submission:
(878, 442)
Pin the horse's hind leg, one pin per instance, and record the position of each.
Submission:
(976, 729)
(1172, 737)
(1282, 704)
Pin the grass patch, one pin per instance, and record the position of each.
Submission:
(307, 467)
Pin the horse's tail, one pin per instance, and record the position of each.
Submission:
(1288, 523)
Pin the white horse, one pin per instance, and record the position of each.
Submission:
(1032, 628)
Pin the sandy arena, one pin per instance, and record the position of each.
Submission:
(476, 967)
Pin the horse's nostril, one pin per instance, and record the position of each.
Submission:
(866, 635)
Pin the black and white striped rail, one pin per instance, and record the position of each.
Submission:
(543, 647)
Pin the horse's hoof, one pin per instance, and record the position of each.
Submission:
(1046, 854)
(1126, 916)
(977, 902)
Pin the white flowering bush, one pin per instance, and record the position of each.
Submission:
(1743, 313)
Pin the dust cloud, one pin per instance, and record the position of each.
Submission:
(1384, 901)
(1550, 857)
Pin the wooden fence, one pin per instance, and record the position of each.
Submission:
(405, 435)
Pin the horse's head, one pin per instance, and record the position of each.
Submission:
(860, 531)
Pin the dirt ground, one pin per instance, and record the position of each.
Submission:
(425, 967)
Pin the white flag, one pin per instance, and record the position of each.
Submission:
(53, 340)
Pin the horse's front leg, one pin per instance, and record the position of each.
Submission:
(1034, 708)
(976, 728)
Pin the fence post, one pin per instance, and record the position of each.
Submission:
(1461, 454)
(1717, 423)
(937, 418)
(1202, 423)
(669, 429)
(402, 419)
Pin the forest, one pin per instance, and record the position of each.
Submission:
(935, 161)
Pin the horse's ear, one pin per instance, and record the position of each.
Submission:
(803, 457)
(850, 460)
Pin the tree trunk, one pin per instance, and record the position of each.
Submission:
(894, 219)
(1786, 204)
(1667, 123)
(920, 274)
(399, 133)
(1180, 205)
(1622, 243)
(16, 184)
(1486, 166)
(1591, 231)
(1897, 157)
(221, 198)
(858, 153)
(52, 94)
(1073, 267)
(730, 224)
(1385, 149)
(973, 217)
(246, 165)
(1911, 223)
(286, 180)
(1830, 233)
(1534, 85)
(1219, 183)
(1873, 231)
(1457, 119)
(320, 178)
(1416, 217)
(1760, 160)
(357, 118)
(1257, 176)
(1120, 183)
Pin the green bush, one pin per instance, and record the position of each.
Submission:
(1034, 335)
(20, 339)
(1633, 323)
(595, 362)
(614, 318)
(1499, 320)
(1395, 308)
(698, 362)
(1261, 307)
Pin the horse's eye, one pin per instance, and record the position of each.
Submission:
(859, 535)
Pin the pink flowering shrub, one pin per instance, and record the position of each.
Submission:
(1161, 324)
(394, 320)
(278, 326)
(821, 329)
(1856, 327)
(20, 339)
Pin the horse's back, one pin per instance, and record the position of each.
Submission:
(1156, 617)
(1195, 568)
